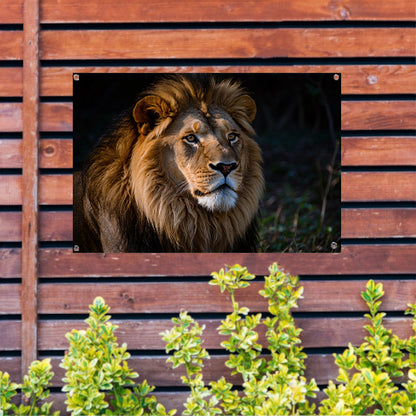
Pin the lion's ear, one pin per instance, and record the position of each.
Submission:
(249, 107)
(148, 111)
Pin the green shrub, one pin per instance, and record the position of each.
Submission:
(98, 380)
(276, 386)
(34, 389)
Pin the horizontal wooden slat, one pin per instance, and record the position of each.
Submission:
(11, 45)
(356, 223)
(356, 79)
(145, 334)
(53, 226)
(96, 11)
(198, 297)
(53, 190)
(53, 153)
(378, 151)
(216, 11)
(11, 11)
(11, 117)
(376, 115)
(361, 259)
(384, 115)
(378, 223)
(226, 43)
(11, 342)
(10, 299)
(378, 186)
(355, 186)
(11, 80)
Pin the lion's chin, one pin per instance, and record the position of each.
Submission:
(221, 199)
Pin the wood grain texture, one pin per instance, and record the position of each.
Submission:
(383, 259)
(378, 115)
(11, 45)
(143, 335)
(199, 297)
(353, 260)
(378, 223)
(216, 11)
(11, 80)
(356, 79)
(13, 341)
(378, 151)
(229, 43)
(30, 182)
(378, 186)
(10, 299)
(11, 117)
(53, 226)
(53, 190)
(95, 11)
(53, 153)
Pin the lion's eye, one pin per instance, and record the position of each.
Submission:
(232, 137)
(191, 138)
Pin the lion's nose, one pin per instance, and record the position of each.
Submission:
(224, 168)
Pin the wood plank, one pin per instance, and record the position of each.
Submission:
(13, 340)
(11, 117)
(55, 117)
(30, 182)
(378, 151)
(378, 223)
(200, 297)
(53, 153)
(11, 11)
(378, 186)
(353, 260)
(376, 115)
(144, 334)
(229, 43)
(53, 226)
(383, 259)
(356, 79)
(12, 366)
(53, 190)
(11, 79)
(216, 11)
(10, 299)
(11, 45)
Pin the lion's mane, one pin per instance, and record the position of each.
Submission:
(124, 200)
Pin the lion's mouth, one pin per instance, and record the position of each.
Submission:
(220, 188)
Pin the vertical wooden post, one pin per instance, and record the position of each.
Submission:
(30, 180)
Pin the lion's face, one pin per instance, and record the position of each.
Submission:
(195, 170)
(204, 155)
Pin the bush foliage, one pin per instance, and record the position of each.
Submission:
(98, 380)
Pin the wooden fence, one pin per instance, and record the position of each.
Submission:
(45, 288)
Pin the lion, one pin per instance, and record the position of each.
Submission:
(180, 172)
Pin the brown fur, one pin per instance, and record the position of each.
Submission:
(149, 187)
